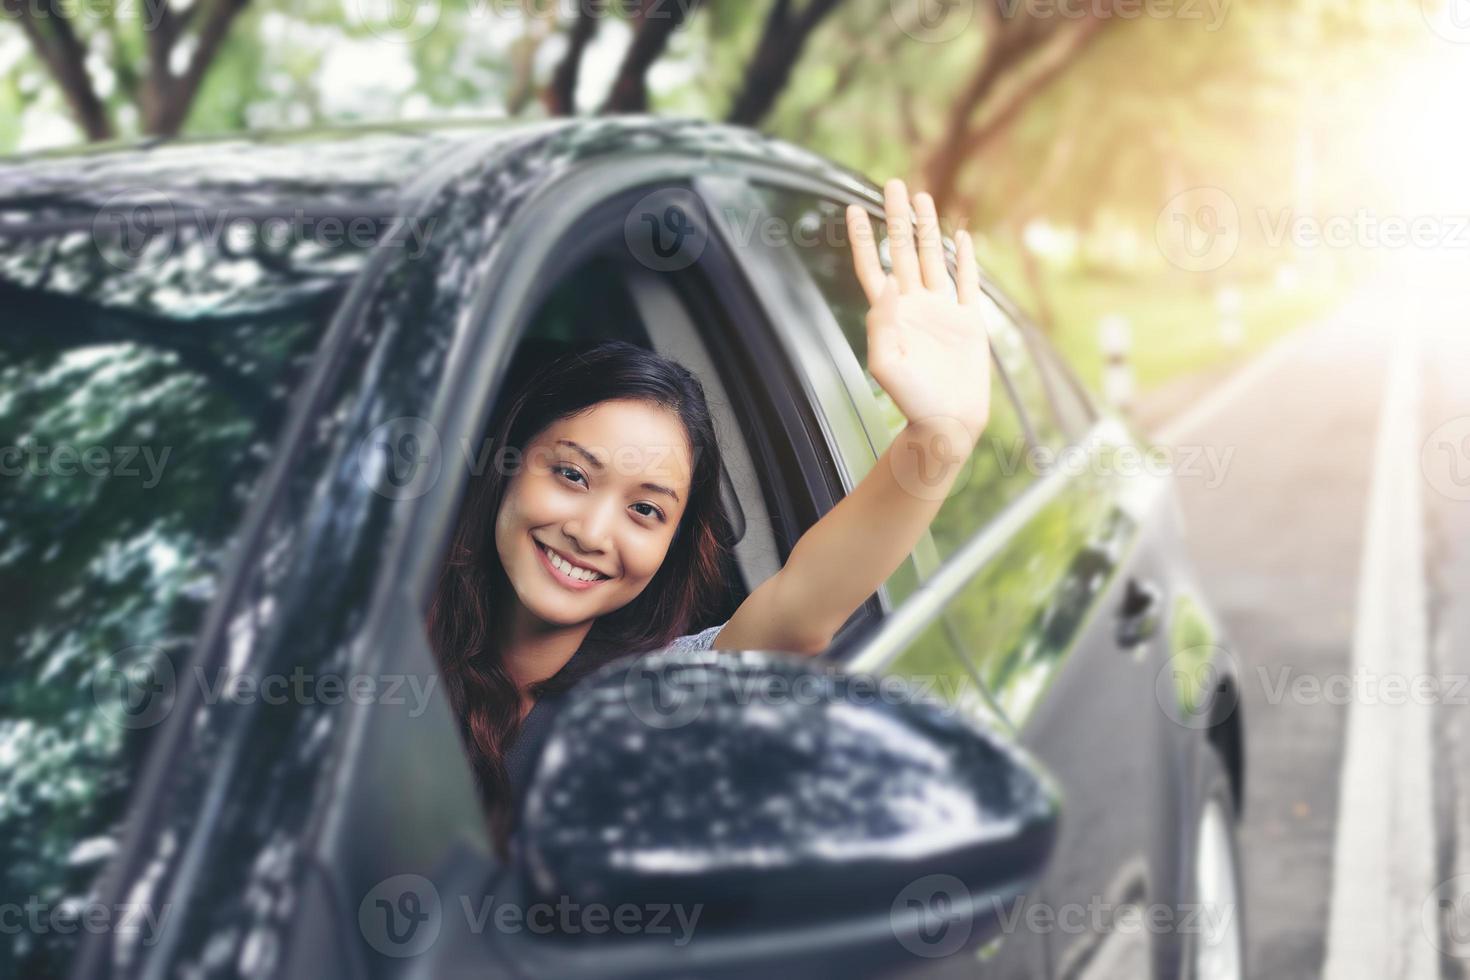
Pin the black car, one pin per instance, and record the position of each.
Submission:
(245, 383)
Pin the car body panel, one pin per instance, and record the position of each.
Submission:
(318, 579)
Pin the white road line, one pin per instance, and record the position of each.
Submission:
(1176, 430)
(1383, 857)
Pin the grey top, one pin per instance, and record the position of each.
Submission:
(520, 758)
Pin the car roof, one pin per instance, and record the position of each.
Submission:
(361, 169)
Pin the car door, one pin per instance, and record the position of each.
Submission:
(1075, 671)
(1057, 605)
(803, 268)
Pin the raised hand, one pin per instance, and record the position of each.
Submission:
(927, 344)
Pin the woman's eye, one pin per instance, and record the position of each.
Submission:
(568, 473)
(648, 510)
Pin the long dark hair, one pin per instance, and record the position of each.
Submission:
(473, 587)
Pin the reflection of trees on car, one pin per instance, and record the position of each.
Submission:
(141, 400)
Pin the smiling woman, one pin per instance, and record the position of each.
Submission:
(610, 537)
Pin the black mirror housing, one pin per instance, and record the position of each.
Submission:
(769, 789)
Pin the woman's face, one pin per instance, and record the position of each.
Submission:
(591, 510)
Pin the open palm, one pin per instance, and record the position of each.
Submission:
(927, 343)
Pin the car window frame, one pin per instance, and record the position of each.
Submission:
(940, 581)
(925, 557)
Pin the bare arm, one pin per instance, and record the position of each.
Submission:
(928, 349)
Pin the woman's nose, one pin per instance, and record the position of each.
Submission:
(590, 530)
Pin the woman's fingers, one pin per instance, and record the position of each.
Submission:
(865, 261)
(967, 272)
(901, 236)
(931, 245)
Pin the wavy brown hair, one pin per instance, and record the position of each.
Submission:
(469, 599)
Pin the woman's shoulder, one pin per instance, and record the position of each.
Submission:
(703, 640)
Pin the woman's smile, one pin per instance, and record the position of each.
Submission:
(566, 572)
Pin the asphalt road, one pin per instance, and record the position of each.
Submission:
(1336, 549)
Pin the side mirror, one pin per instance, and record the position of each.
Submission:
(811, 817)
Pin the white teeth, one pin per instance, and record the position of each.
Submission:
(570, 570)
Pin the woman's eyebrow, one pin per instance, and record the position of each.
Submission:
(591, 459)
(660, 488)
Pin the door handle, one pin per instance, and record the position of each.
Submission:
(1138, 617)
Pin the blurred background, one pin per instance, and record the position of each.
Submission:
(1244, 222)
(1060, 130)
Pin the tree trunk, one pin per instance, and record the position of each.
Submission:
(629, 91)
(560, 95)
(776, 54)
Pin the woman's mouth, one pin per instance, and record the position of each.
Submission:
(567, 574)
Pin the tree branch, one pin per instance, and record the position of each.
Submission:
(65, 57)
(1015, 41)
(1068, 52)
